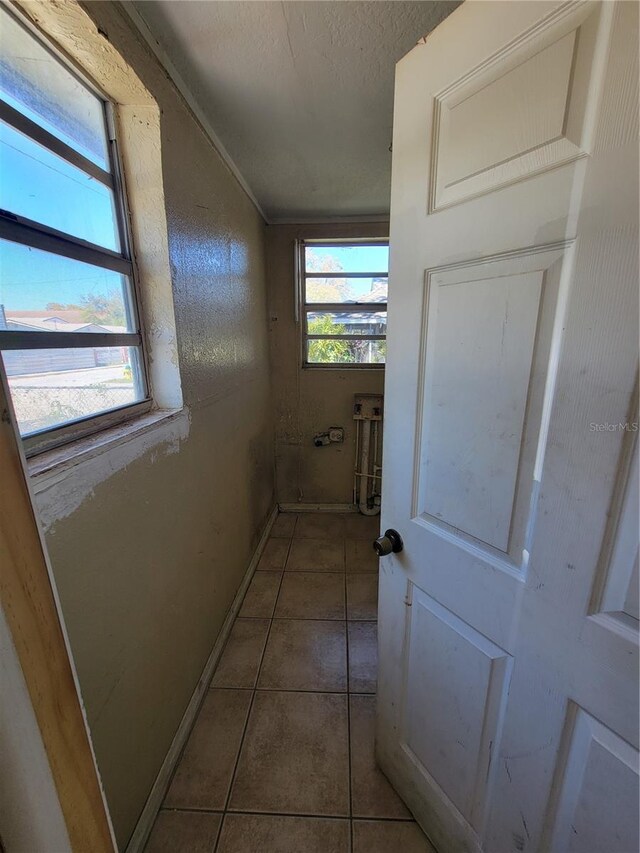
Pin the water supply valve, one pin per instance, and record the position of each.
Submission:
(334, 435)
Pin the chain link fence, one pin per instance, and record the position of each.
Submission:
(39, 408)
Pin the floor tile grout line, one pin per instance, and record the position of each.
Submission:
(346, 631)
(349, 693)
(219, 832)
(251, 702)
(198, 810)
(206, 692)
(306, 619)
(311, 619)
(314, 618)
(298, 690)
(340, 537)
(255, 689)
(334, 539)
(317, 572)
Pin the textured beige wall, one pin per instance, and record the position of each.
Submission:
(310, 400)
(148, 559)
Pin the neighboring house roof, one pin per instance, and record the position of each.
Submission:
(64, 315)
(379, 290)
(353, 317)
(378, 293)
(30, 321)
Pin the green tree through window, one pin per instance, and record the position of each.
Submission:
(326, 351)
(344, 290)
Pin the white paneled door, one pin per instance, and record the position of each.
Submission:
(508, 694)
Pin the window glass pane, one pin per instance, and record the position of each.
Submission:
(353, 323)
(338, 289)
(347, 258)
(42, 291)
(37, 84)
(41, 186)
(331, 351)
(50, 387)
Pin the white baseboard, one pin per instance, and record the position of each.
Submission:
(317, 507)
(146, 820)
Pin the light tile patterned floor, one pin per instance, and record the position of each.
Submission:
(280, 759)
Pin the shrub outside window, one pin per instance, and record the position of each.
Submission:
(70, 335)
(344, 287)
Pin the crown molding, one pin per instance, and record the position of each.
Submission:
(174, 75)
(330, 220)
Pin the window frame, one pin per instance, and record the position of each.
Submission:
(23, 231)
(304, 308)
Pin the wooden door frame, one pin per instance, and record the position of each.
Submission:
(29, 600)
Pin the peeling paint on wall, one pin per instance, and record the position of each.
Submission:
(55, 500)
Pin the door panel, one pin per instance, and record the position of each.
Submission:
(599, 767)
(481, 335)
(486, 339)
(464, 678)
(508, 636)
(616, 593)
(536, 90)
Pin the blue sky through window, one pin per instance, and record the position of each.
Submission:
(38, 185)
(51, 386)
(352, 258)
(334, 260)
(30, 279)
(39, 86)
(41, 186)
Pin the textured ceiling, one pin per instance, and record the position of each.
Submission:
(299, 93)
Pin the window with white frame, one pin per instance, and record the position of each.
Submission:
(343, 286)
(70, 336)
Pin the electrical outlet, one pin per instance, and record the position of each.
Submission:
(336, 434)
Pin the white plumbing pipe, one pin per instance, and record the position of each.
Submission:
(364, 472)
(377, 469)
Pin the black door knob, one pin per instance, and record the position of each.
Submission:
(390, 542)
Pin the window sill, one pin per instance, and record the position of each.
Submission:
(60, 459)
(346, 367)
